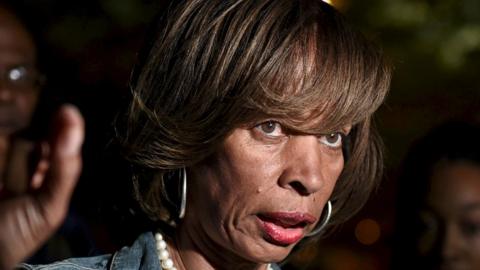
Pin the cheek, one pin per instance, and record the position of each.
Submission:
(247, 165)
(26, 104)
(224, 196)
(252, 172)
(332, 168)
(239, 177)
(475, 249)
(233, 183)
(336, 166)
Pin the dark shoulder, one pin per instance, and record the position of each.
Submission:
(90, 263)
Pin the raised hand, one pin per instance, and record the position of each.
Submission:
(28, 220)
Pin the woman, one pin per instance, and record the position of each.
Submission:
(255, 107)
(438, 221)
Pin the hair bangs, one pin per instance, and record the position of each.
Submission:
(320, 79)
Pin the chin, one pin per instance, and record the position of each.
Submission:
(266, 252)
(279, 256)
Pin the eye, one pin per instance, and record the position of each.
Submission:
(333, 140)
(17, 74)
(270, 128)
(470, 228)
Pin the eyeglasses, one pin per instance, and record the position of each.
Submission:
(22, 78)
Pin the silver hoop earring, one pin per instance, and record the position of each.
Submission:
(183, 193)
(323, 223)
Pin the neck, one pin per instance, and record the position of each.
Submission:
(189, 252)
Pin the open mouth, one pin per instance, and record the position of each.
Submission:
(285, 223)
(284, 228)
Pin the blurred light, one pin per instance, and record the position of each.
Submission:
(402, 14)
(367, 231)
(338, 4)
(456, 47)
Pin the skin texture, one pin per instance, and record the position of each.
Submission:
(453, 215)
(257, 169)
(27, 220)
(16, 48)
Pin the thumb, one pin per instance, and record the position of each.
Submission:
(65, 164)
(28, 220)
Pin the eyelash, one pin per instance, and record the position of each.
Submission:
(279, 132)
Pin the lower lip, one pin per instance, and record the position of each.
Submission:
(279, 235)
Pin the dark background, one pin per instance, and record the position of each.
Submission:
(87, 49)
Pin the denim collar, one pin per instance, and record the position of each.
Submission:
(141, 255)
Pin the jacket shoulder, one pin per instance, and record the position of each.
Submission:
(142, 255)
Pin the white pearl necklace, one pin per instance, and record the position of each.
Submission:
(165, 261)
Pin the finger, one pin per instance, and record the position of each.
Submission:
(65, 164)
(41, 163)
(39, 175)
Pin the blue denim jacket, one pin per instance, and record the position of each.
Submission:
(141, 255)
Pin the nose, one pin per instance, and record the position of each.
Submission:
(452, 246)
(6, 93)
(308, 167)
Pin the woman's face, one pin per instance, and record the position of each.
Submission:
(453, 217)
(262, 191)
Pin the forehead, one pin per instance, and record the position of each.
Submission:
(16, 45)
(455, 188)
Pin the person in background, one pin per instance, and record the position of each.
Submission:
(438, 220)
(20, 87)
(20, 83)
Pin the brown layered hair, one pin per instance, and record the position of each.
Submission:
(213, 65)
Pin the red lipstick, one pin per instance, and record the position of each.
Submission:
(285, 228)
